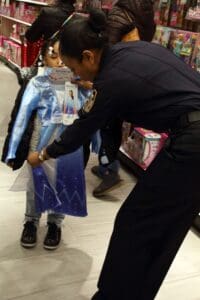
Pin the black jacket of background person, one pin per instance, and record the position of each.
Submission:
(48, 22)
(23, 148)
(139, 82)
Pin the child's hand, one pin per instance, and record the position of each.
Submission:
(33, 159)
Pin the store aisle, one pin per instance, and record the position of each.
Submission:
(71, 272)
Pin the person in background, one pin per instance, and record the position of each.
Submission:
(128, 20)
(145, 84)
(50, 20)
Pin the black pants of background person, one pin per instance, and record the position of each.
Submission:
(86, 152)
(110, 141)
(153, 221)
(108, 167)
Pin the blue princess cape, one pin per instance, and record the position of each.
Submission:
(59, 185)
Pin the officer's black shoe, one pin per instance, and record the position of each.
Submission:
(97, 172)
(196, 222)
(53, 237)
(98, 296)
(29, 235)
(110, 181)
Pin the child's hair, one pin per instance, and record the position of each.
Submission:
(83, 33)
(46, 47)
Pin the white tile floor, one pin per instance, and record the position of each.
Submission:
(71, 272)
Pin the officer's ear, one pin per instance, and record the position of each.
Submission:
(88, 57)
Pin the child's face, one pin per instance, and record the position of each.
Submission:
(52, 58)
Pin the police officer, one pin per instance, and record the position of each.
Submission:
(147, 85)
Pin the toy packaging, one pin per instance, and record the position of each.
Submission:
(195, 62)
(193, 12)
(177, 13)
(162, 9)
(162, 35)
(143, 145)
(182, 43)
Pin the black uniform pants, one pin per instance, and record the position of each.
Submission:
(153, 221)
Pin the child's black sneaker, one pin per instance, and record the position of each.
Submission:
(53, 237)
(29, 235)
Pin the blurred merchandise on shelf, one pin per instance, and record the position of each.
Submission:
(18, 30)
(126, 130)
(193, 12)
(195, 62)
(10, 50)
(162, 9)
(33, 52)
(177, 13)
(182, 43)
(162, 35)
(141, 145)
(21, 11)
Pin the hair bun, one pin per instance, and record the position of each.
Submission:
(97, 20)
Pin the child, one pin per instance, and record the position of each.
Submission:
(46, 98)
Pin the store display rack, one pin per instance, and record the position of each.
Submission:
(12, 66)
(34, 2)
(15, 17)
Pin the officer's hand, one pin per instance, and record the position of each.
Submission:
(33, 159)
(88, 85)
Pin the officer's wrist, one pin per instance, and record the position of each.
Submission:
(43, 155)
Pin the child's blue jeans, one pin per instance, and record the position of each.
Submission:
(32, 215)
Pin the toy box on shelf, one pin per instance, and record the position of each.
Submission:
(141, 145)
(171, 12)
(177, 13)
(162, 35)
(10, 50)
(193, 12)
(162, 9)
(195, 61)
(182, 44)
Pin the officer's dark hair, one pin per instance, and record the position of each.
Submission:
(83, 33)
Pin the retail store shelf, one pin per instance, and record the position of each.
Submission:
(15, 40)
(34, 2)
(11, 65)
(16, 20)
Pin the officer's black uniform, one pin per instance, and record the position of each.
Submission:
(147, 85)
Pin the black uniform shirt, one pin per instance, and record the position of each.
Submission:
(141, 83)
